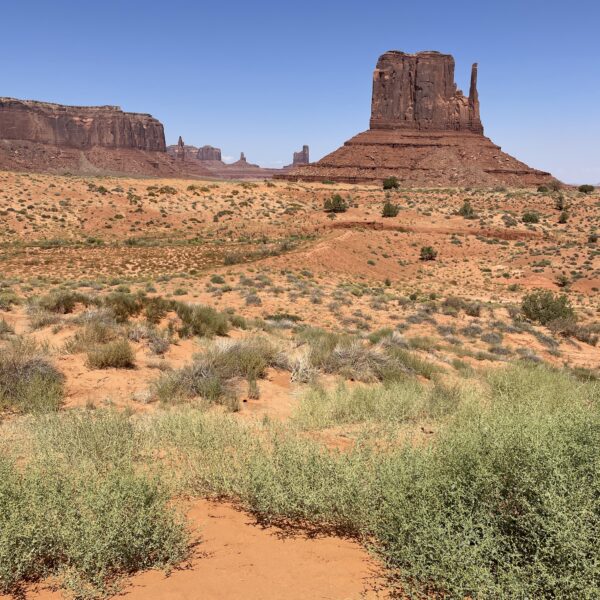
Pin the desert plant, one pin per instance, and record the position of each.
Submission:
(123, 305)
(586, 188)
(530, 217)
(390, 209)
(200, 320)
(391, 183)
(466, 210)
(28, 381)
(335, 204)
(428, 253)
(543, 306)
(117, 354)
(62, 301)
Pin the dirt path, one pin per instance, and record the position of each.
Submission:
(239, 559)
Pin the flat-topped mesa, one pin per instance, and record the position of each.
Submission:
(301, 158)
(418, 92)
(80, 127)
(209, 153)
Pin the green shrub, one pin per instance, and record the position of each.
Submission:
(28, 381)
(203, 321)
(335, 204)
(543, 189)
(531, 217)
(564, 217)
(586, 188)
(428, 253)
(123, 305)
(390, 209)
(62, 301)
(87, 530)
(391, 183)
(466, 210)
(117, 354)
(156, 308)
(543, 306)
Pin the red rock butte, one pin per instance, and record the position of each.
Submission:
(423, 130)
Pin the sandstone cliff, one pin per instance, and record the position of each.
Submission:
(79, 126)
(417, 91)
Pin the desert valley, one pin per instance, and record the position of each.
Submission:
(375, 375)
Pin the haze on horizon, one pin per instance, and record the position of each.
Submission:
(267, 77)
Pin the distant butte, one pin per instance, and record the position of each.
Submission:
(423, 130)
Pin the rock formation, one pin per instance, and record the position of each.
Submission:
(95, 140)
(417, 92)
(423, 130)
(301, 158)
(209, 153)
(180, 149)
(79, 126)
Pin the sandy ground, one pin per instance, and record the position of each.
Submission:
(239, 559)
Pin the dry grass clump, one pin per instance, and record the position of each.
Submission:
(117, 354)
(387, 360)
(29, 382)
(203, 321)
(213, 373)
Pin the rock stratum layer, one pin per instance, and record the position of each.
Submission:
(423, 130)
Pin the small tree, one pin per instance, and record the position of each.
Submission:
(560, 203)
(543, 306)
(390, 209)
(542, 189)
(586, 188)
(391, 183)
(428, 253)
(564, 217)
(466, 210)
(335, 204)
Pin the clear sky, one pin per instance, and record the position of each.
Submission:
(266, 77)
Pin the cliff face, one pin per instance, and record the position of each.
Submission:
(417, 91)
(209, 153)
(79, 127)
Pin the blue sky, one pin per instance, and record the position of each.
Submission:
(266, 77)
